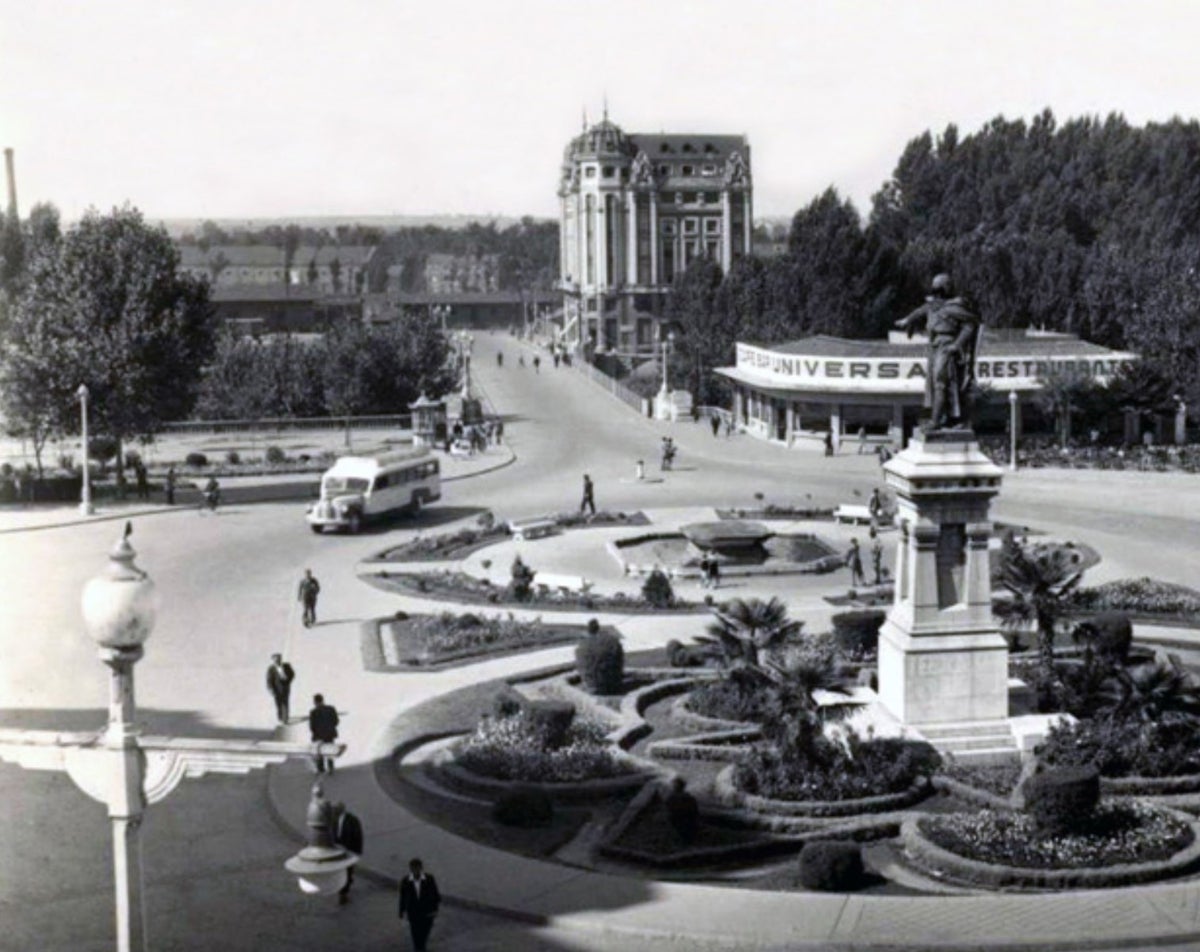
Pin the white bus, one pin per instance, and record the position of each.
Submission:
(357, 489)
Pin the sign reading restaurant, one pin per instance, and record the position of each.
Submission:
(1004, 371)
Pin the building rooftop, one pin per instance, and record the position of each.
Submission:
(699, 146)
(992, 343)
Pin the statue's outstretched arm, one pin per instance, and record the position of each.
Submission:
(914, 321)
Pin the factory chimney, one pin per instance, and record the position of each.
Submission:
(11, 169)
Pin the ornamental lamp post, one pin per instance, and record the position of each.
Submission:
(85, 502)
(1014, 411)
(321, 867)
(119, 607)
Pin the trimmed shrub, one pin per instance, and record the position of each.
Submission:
(656, 590)
(593, 626)
(103, 449)
(551, 721)
(1111, 634)
(600, 661)
(196, 460)
(132, 459)
(507, 702)
(233, 457)
(831, 866)
(526, 807)
(1062, 799)
(276, 455)
(857, 633)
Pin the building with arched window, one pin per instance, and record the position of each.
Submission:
(635, 210)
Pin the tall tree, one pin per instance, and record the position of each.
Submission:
(109, 308)
(706, 338)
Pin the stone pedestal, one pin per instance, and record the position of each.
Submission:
(942, 660)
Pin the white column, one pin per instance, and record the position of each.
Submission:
(726, 231)
(747, 226)
(631, 252)
(654, 238)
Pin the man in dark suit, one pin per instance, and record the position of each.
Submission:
(323, 725)
(348, 834)
(279, 682)
(419, 900)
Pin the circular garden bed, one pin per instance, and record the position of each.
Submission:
(1126, 843)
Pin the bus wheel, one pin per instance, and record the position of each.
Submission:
(316, 529)
(355, 523)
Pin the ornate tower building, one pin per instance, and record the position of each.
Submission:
(636, 209)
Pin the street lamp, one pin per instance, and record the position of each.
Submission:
(119, 766)
(85, 502)
(667, 343)
(1013, 422)
(321, 868)
(465, 345)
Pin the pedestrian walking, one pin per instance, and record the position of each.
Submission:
(280, 676)
(419, 901)
(499, 432)
(668, 453)
(521, 360)
(557, 358)
(862, 440)
(309, 589)
(589, 495)
(714, 573)
(828, 442)
(348, 834)
(499, 358)
(142, 480)
(705, 569)
(729, 426)
(537, 364)
(323, 727)
(876, 556)
(170, 486)
(875, 506)
(854, 563)
(715, 423)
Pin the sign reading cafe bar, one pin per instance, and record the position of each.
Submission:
(1009, 370)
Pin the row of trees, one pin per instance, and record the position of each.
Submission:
(1091, 227)
(354, 369)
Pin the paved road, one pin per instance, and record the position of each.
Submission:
(227, 584)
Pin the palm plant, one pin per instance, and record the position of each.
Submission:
(1040, 584)
(794, 721)
(745, 629)
(1152, 694)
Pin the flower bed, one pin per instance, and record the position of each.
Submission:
(729, 789)
(510, 748)
(877, 767)
(727, 700)
(1125, 748)
(1143, 595)
(1129, 843)
(771, 511)
(469, 590)
(430, 640)
(448, 545)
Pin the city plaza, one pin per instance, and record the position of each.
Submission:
(215, 850)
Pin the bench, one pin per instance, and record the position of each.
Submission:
(849, 512)
(523, 529)
(562, 583)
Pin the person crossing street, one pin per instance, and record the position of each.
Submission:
(310, 588)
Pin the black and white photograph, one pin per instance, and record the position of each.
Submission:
(550, 476)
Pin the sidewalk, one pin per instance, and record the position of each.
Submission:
(235, 490)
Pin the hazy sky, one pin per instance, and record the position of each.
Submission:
(243, 108)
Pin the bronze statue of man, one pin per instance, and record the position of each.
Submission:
(953, 330)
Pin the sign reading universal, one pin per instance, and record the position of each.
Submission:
(1005, 372)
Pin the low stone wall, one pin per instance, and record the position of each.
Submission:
(933, 859)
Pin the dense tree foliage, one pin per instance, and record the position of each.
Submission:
(105, 306)
(355, 369)
(1092, 226)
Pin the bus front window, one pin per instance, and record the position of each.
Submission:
(339, 485)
